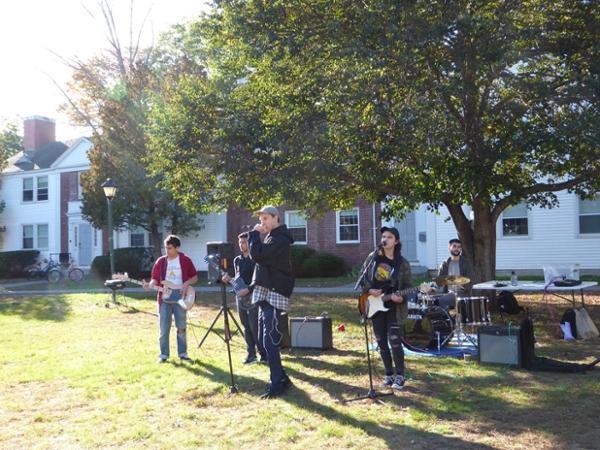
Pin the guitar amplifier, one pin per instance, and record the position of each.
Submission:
(500, 345)
(311, 332)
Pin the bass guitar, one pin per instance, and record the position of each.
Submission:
(237, 284)
(186, 302)
(368, 305)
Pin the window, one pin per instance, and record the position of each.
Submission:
(42, 189)
(27, 236)
(42, 236)
(27, 189)
(514, 221)
(589, 215)
(136, 239)
(347, 226)
(296, 223)
(79, 187)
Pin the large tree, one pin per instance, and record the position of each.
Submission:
(111, 93)
(454, 103)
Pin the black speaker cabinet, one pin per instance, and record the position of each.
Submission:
(224, 251)
(500, 345)
(311, 332)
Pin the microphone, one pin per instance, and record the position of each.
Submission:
(247, 227)
(381, 244)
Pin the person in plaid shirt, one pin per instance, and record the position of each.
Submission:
(273, 283)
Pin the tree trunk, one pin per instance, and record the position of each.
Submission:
(479, 239)
(155, 240)
(484, 243)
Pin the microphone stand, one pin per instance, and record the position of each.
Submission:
(371, 394)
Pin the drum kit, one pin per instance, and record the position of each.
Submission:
(430, 324)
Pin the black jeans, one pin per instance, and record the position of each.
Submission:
(249, 318)
(386, 326)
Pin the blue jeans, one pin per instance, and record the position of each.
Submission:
(165, 312)
(271, 337)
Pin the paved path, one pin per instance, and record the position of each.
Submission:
(5, 289)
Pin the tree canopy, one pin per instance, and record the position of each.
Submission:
(485, 104)
(112, 93)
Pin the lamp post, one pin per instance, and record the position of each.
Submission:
(110, 191)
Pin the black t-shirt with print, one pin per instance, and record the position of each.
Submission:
(384, 274)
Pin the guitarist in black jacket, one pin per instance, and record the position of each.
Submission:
(388, 273)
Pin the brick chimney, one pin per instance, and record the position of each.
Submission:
(37, 132)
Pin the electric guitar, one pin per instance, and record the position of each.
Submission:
(237, 284)
(187, 302)
(368, 305)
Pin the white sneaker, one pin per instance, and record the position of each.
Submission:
(388, 381)
(398, 383)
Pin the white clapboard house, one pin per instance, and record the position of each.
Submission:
(41, 190)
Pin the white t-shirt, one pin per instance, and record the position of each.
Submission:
(174, 272)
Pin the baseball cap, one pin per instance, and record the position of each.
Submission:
(268, 209)
(392, 230)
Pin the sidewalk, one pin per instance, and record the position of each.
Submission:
(5, 289)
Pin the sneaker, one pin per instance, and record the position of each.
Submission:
(398, 383)
(273, 392)
(286, 382)
(185, 358)
(249, 360)
(263, 359)
(388, 380)
(162, 359)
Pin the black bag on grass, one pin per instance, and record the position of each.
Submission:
(570, 318)
(507, 303)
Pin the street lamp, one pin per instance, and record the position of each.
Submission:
(110, 191)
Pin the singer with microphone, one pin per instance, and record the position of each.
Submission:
(387, 273)
(273, 282)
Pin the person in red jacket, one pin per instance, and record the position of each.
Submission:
(178, 271)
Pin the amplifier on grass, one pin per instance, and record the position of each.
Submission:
(311, 332)
(500, 345)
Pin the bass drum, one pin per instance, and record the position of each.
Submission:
(422, 328)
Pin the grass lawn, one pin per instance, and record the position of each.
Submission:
(76, 374)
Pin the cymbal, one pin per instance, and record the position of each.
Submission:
(451, 280)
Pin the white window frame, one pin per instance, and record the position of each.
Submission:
(32, 236)
(516, 236)
(37, 236)
(37, 188)
(79, 187)
(287, 222)
(35, 242)
(337, 226)
(33, 191)
(137, 231)
(579, 214)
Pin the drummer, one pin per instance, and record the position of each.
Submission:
(457, 265)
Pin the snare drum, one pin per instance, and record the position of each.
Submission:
(425, 329)
(474, 310)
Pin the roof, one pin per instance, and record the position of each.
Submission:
(42, 158)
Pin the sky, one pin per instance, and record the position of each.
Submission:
(32, 32)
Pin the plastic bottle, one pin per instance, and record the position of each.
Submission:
(574, 272)
(513, 278)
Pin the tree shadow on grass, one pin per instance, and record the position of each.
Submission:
(55, 308)
(395, 435)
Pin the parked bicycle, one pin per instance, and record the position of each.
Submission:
(40, 269)
(63, 269)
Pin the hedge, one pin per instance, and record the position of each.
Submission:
(12, 264)
(136, 261)
(309, 263)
